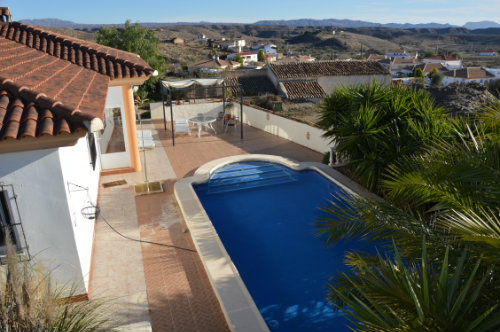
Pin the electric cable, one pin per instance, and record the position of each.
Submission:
(139, 240)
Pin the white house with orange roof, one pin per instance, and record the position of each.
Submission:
(468, 75)
(66, 114)
(248, 57)
(447, 61)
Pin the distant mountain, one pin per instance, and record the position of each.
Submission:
(57, 23)
(351, 24)
(320, 23)
(481, 25)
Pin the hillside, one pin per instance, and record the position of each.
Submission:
(321, 42)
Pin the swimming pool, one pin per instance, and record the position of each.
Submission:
(264, 213)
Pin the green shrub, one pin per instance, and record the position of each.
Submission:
(375, 125)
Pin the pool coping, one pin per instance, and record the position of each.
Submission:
(237, 304)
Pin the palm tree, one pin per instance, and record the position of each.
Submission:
(440, 229)
(373, 126)
(397, 294)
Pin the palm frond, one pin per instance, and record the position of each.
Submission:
(478, 227)
(417, 294)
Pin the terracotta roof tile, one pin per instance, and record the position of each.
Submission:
(82, 53)
(303, 90)
(21, 118)
(442, 57)
(252, 85)
(298, 70)
(469, 73)
(429, 66)
(47, 79)
(51, 84)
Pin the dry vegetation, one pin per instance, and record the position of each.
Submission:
(30, 302)
(321, 42)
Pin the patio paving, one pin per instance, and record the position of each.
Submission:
(160, 287)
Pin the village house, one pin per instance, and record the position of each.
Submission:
(313, 80)
(429, 66)
(403, 67)
(270, 57)
(401, 55)
(488, 53)
(266, 48)
(248, 57)
(233, 46)
(468, 75)
(449, 62)
(66, 114)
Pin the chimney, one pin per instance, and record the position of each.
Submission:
(5, 14)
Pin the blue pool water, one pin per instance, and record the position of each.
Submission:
(264, 215)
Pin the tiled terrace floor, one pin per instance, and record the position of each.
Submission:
(179, 295)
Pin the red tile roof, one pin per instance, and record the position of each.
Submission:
(303, 90)
(429, 66)
(21, 118)
(298, 70)
(469, 73)
(102, 59)
(51, 84)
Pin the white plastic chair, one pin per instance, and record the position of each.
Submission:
(182, 126)
(232, 122)
(145, 139)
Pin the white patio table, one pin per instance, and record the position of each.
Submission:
(203, 121)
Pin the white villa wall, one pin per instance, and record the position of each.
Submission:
(294, 131)
(328, 83)
(297, 132)
(450, 80)
(39, 184)
(185, 111)
(77, 171)
(449, 64)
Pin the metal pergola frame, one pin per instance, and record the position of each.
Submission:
(223, 87)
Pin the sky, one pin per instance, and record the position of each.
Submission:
(456, 12)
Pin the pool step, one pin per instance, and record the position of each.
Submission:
(238, 170)
(248, 176)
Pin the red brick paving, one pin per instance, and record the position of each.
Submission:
(179, 293)
(190, 152)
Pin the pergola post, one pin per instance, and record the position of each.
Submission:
(241, 113)
(224, 102)
(163, 104)
(204, 88)
(171, 115)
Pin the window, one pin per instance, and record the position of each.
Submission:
(92, 149)
(6, 220)
(10, 223)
